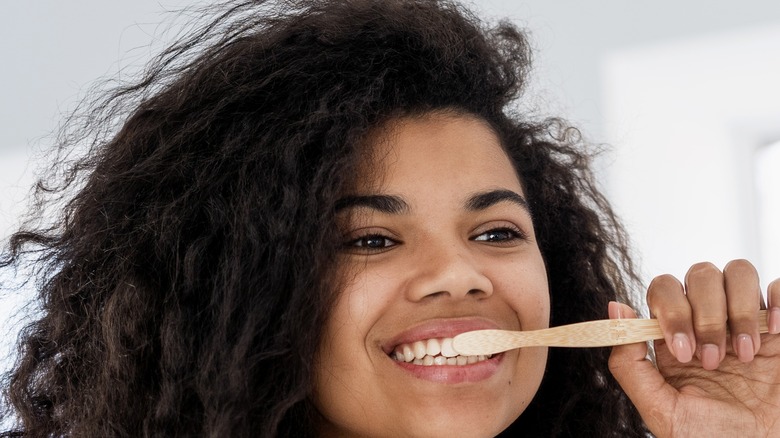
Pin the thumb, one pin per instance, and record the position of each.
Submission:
(639, 378)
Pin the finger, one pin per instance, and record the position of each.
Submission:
(667, 302)
(707, 297)
(640, 380)
(773, 299)
(743, 297)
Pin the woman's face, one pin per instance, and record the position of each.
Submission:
(438, 240)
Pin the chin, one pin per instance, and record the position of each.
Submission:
(460, 418)
(486, 425)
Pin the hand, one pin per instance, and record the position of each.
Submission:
(707, 382)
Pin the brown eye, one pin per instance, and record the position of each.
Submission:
(499, 235)
(371, 242)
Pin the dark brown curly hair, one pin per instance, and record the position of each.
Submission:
(184, 284)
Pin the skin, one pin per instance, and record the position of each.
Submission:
(432, 266)
(706, 382)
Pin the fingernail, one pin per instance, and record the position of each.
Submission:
(745, 348)
(613, 309)
(710, 356)
(619, 311)
(682, 347)
(774, 320)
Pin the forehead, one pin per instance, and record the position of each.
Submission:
(437, 148)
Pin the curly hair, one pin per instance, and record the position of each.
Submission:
(184, 284)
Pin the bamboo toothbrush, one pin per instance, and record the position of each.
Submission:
(600, 333)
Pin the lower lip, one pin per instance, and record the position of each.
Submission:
(452, 374)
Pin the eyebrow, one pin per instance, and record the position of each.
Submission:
(484, 200)
(389, 204)
(392, 204)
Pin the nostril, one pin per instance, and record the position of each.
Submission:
(476, 293)
(448, 281)
(438, 294)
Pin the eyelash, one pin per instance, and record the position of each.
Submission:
(360, 244)
(513, 233)
(363, 243)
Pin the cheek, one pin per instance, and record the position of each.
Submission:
(344, 368)
(345, 340)
(526, 290)
(532, 304)
(360, 303)
(531, 365)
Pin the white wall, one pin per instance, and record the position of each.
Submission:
(688, 117)
(767, 164)
(572, 37)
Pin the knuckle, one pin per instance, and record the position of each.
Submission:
(702, 270)
(742, 316)
(665, 281)
(663, 289)
(616, 364)
(676, 315)
(739, 266)
(709, 325)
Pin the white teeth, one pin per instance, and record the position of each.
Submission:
(432, 352)
(408, 353)
(433, 347)
(446, 348)
(419, 349)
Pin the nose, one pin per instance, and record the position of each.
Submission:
(449, 271)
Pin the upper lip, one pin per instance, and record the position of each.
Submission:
(438, 328)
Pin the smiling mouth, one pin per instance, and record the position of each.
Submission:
(432, 352)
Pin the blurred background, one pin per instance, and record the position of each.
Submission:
(683, 96)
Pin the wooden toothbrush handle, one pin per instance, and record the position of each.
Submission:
(600, 333)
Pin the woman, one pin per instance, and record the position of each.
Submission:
(299, 195)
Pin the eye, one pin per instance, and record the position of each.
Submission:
(370, 243)
(500, 235)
